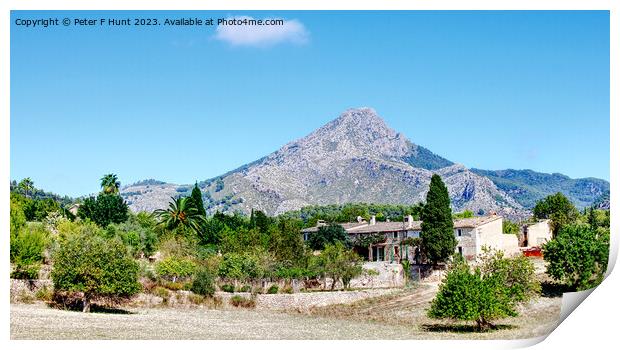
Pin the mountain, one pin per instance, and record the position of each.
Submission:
(354, 158)
(527, 186)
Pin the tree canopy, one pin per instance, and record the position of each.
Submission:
(558, 209)
(577, 256)
(438, 242)
(95, 266)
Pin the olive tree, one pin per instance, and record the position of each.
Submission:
(490, 291)
(96, 267)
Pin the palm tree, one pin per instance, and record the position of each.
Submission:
(26, 185)
(110, 184)
(181, 213)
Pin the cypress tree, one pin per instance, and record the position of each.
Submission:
(438, 242)
(197, 199)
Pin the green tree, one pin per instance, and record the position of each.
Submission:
(259, 220)
(181, 214)
(96, 267)
(17, 217)
(174, 268)
(110, 184)
(491, 291)
(558, 209)
(286, 243)
(577, 256)
(325, 235)
(509, 227)
(197, 199)
(204, 282)
(467, 296)
(26, 186)
(438, 242)
(104, 209)
(339, 263)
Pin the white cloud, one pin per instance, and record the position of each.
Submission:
(292, 31)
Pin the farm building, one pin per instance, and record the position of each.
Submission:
(392, 237)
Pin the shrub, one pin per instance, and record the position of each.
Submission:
(44, 294)
(174, 286)
(245, 289)
(273, 289)
(162, 293)
(287, 290)
(175, 268)
(26, 272)
(27, 248)
(96, 267)
(196, 299)
(227, 288)
(204, 283)
(239, 301)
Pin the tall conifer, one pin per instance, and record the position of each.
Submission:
(438, 242)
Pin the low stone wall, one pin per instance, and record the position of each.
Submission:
(390, 275)
(306, 301)
(26, 290)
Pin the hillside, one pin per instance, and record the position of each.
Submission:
(354, 158)
(527, 186)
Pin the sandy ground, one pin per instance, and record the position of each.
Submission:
(398, 316)
(37, 321)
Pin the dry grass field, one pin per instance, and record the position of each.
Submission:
(396, 316)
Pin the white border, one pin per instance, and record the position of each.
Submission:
(593, 324)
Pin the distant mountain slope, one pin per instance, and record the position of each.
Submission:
(354, 158)
(528, 186)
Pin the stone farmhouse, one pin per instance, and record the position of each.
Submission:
(471, 235)
(535, 234)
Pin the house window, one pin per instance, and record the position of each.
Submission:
(459, 233)
(461, 251)
(305, 236)
(395, 235)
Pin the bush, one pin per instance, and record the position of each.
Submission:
(162, 293)
(26, 272)
(196, 299)
(245, 289)
(175, 268)
(174, 286)
(239, 301)
(287, 290)
(27, 248)
(227, 288)
(204, 283)
(96, 267)
(273, 289)
(44, 294)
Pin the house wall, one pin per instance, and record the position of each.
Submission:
(491, 235)
(467, 242)
(538, 233)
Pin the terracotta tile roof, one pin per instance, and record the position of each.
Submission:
(364, 227)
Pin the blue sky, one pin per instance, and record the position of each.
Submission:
(491, 90)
